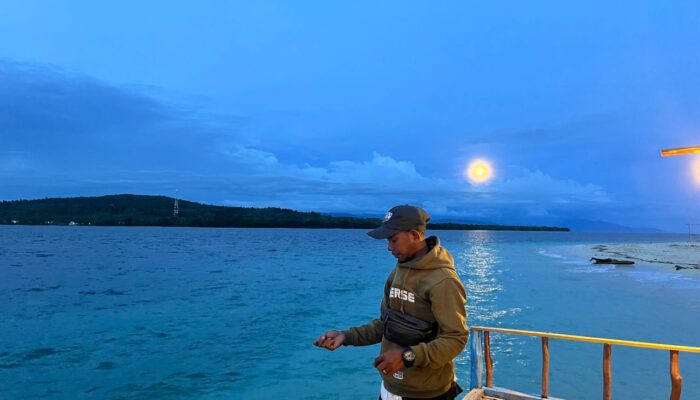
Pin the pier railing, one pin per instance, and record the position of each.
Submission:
(481, 337)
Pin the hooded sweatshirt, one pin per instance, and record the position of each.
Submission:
(426, 287)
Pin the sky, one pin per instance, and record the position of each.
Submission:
(354, 107)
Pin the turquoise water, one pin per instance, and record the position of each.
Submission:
(165, 313)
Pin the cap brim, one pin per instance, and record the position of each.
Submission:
(382, 232)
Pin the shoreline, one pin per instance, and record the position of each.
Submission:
(676, 255)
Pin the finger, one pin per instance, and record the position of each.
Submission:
(383, 367)
(378, 360)
(334, 344)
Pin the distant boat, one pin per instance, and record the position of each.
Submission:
(611, 261)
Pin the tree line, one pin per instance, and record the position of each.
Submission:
(143, 210)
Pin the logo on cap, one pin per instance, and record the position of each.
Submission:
(387, 217)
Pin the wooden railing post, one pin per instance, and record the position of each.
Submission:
(489, 361)
(607, 353)
(545, 367)
(676, 378)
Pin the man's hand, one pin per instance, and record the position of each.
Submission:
(389, 362)
(330, 340)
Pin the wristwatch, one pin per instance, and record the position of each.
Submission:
(408, 357)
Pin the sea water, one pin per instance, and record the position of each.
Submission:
(170, 313)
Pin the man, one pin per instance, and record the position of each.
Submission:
(422, 327)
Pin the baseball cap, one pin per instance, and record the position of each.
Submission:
(401, 218)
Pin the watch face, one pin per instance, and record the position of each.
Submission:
(409, 355)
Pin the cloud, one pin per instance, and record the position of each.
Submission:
(537, 187)
(373, 185)
(12, 162)
(69, 122)
(45, 102)
(65, 134)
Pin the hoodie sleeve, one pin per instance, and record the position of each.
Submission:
(448, 300)
(372, 332)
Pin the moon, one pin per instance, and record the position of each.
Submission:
(479, 171)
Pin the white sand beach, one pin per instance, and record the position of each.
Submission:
(680, 255)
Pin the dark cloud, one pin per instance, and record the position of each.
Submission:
(44, 103)
(65, 121)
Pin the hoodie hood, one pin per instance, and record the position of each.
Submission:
(436, 257)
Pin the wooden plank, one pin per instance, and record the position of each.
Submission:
(545, 367)
(489, 361)
(474, 394)
(676, 378)
(607, 373)
(507, 394)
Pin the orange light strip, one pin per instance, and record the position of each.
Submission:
(680, 151)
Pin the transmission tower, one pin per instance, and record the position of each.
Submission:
(176, 206)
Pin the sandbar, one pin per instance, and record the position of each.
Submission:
(678, 255)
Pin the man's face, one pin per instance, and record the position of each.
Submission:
(404, 244)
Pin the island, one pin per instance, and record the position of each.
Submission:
(147, 210)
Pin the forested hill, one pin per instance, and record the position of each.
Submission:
(140, 210)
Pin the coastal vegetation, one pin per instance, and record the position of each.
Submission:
(142, 210)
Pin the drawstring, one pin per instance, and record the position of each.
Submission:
(403, 287)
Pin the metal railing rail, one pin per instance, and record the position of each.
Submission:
(676, 378)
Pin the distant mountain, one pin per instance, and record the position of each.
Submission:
(461, 220)
(434, 219)
(574, 224)
(140, 210)
(584, 225)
